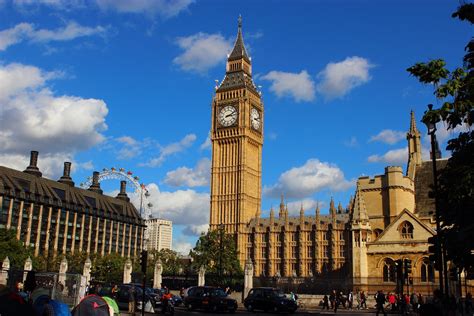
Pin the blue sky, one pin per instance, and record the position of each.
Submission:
(129, 84)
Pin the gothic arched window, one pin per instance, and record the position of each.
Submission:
(406, 230)
(389, 270)
(427, 272)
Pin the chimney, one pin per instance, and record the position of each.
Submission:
(66, 178)
(123, 193)
(95, 187)
(33, 168)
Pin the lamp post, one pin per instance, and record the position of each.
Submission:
(431, 125)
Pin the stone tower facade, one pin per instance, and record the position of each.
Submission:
(237, 140)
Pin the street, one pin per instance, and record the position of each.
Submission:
(242, 311)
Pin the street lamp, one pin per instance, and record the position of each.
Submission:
(430, 123)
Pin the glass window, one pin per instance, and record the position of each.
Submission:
(406, 230)
(389, 271)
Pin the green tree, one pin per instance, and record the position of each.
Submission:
(216, 251)
(455, 91)
(108, 268)
(13, 249)
(170, 261)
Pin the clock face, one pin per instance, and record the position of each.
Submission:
(255, 119)
(227, 116)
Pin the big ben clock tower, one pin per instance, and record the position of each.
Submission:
(237, 139)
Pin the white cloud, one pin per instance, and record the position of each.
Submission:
(131, 147)
(184, 207)
(310, 178)
(196, 230)
(165, 8)
(27, 32)
(337, 79)
(394, 157)
(309, 206)
(298, 86)
(352, 142)
(207, 143)
(183, 176)
(182, 246)
(32, 117)
(50, 164)
(388, 136)
(202, 51)
(171, 149)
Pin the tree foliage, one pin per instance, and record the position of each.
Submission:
(216, 250)
(455, 90)
(13, 249)
(170, 261)
(108, 268)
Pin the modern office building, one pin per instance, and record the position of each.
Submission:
(48, 214)
(159, 234)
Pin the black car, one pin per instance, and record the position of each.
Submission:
(269, 299)
(209, 298)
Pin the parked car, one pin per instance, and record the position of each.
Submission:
(269, 299)
(209, 298)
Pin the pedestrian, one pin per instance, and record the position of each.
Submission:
(380, 301)
(392, 300)
(181, 293)
(337, 301)
(414, 302)
(363, 303)
(325, 302)
(114, 291)
(332, 298)
(131, 299)
(350, 299)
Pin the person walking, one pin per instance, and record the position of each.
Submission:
(332, 298)
(325, 302)
(363, 303)
(380, 301)
(350, 299)
(131, 299)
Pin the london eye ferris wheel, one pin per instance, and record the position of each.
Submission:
(140, 193)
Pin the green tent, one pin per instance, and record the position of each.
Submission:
(112, 303)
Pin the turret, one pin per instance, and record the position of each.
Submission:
(281, 213)
(332, 210)
(301, 214)
(414, 147)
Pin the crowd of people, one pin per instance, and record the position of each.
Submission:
(405, 304)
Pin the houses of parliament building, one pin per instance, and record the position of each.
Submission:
(389, 217)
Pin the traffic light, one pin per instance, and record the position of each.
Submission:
(433, 252)
(407, 263)
(143, 260)
(453, 274)
(399, 267)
